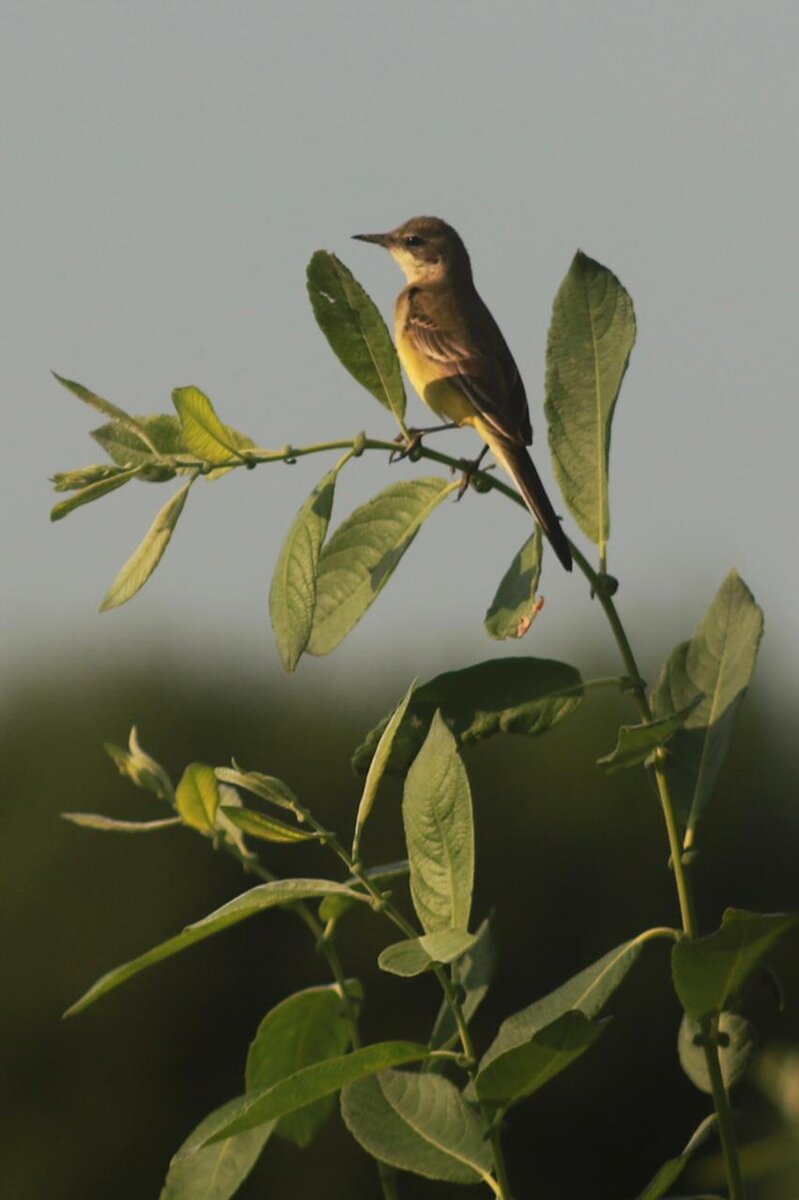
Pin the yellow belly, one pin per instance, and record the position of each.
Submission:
(430, 381)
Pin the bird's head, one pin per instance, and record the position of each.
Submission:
(427, 249)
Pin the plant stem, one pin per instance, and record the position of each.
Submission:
(721, 1100)
(387, 1174)
(254, 867)
(383, 904)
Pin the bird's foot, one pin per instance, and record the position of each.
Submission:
(407, 447)
(470, 467)
(410, 445)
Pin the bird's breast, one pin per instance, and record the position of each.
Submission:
(430, 377)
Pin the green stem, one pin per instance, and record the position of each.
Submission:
(387, 1174)
(681, 881)
(328, 949)
(383, 904)
(721, 1102)
(500, 1168)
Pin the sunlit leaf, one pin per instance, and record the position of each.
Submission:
(590, 339)
(439, 832)
(708, 972)
(267, 787)
(506, 695)
(363, 553)
(635, 743)
(109, 410)
(416, 955)
(516, 604)
(112, 825)
(266, 828)
(292, 596)
(92, 491)
(357, 333)
(140, 566)
(141, 767)
(521, 1071)
(309, 1027)
(200, 1172)
(197, 797)
(266, 895)
(587, 992)
(716, 666)
(202, 431)
(316, 1081)
(125, 447)
(418, 1123)
(377, 767)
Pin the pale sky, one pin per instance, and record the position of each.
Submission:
(169, 168)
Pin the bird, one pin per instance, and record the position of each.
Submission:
(458, 361)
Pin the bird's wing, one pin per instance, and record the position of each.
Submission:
(477, 361)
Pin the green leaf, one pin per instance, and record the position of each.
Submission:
(199, 1172)
(473, 972)
(141, 768)
(357, 333)
(292, 596)
(109, 410)
(439, 832)
(146, 557)
(716, 665)
(519, 1072)
(708, 972)
(267, 787)
(737, 1043)
(362, 555)
(334, 907)
(125, 447)
(418, 1123)
(309, 1027)
(316, 1081)
(92, 491)
(505, 695)
(670, 1172)
(197, 797)
(590, 339)
(377, 768)
(203, 433)
(226, 830)
(516, 604)
(635, 743)
(82, 477)
(111, 825)
(415, 955)
(267, 828)
(257, 899)
(587, 992)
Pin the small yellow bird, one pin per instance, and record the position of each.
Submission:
(457, 359)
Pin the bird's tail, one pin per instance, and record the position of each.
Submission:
(517, 462)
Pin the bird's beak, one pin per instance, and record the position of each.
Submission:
(379, 239)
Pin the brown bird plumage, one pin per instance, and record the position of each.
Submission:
(457, 359)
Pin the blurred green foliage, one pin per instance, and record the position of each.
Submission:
(572, 863)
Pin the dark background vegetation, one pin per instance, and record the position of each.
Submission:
(570, 862)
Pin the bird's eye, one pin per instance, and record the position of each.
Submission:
(413, 240)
